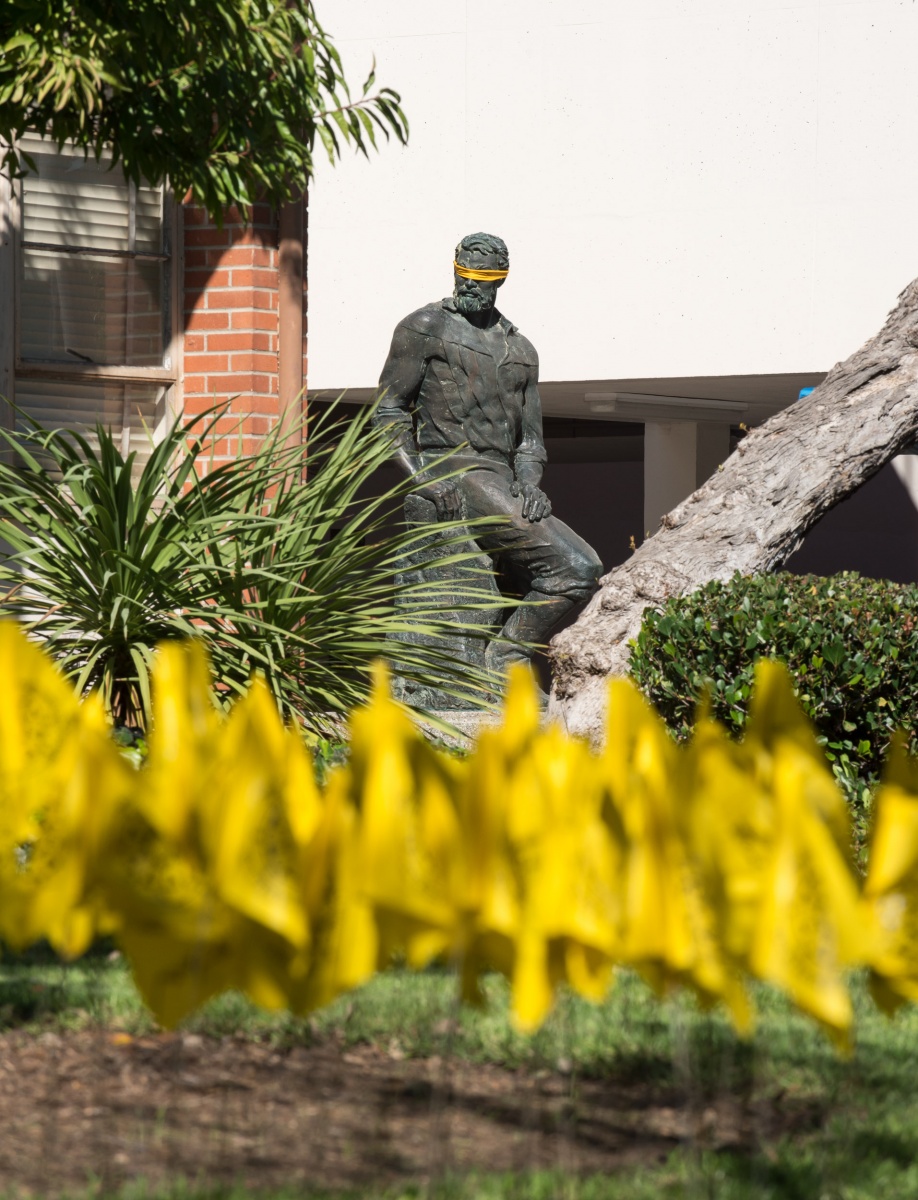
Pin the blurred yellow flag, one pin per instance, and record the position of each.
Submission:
(570, 905)
(59, 775)
(729, 824)
(221, 863)
(808, 930)
(776, 718)
(344, 947)
(890, 895)
(261, 794)
(645, 783)
(186, 727)
(202, 860)
(809, 926)
(408, 829)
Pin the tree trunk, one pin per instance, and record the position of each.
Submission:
(754, 511)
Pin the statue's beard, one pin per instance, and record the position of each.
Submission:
(473, 302)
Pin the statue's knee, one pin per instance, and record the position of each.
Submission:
(574, 575)
(586, 573)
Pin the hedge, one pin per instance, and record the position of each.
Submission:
(851, 645)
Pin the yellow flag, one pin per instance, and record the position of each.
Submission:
(728, 821)
(644, 781)
(775, 717)
(154, 866)
(186, 728)
(59, 773)
(890, 894)
(402, 791)
(261, 775)
(570, 909)
(809, 927)
(344, 946)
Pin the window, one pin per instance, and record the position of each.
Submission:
(93, 295)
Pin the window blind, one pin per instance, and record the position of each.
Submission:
(93, 290)
(85, 204)
(93, 262)
(133, 410)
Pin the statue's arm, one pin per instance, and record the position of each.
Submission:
(530, 457)
(399, 385)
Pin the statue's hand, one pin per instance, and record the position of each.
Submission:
(445, 494)
(536, 504)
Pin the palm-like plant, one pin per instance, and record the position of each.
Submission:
(287, 575)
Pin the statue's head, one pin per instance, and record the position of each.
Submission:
(484, 254)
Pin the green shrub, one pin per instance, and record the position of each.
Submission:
(851, 645)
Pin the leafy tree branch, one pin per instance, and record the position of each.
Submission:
(224, 98)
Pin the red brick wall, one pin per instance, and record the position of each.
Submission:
(231, 326)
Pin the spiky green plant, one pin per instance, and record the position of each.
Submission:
(280, 571)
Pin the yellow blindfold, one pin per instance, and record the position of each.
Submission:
(486, 276)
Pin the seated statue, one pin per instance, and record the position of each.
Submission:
(461, 377)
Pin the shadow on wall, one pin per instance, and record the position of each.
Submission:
(875, 532)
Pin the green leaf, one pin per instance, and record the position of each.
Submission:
(835, 653)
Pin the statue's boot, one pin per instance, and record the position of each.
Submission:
(528, 629)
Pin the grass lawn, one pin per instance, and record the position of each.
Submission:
(630, 1100)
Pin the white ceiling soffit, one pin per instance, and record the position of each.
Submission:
(639, 406)
(763, 395)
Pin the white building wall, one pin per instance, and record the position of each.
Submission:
(687, 187)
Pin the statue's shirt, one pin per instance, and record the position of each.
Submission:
(459, 384)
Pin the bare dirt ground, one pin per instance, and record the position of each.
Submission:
(83, 1107)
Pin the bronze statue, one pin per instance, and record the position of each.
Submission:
(460, 375)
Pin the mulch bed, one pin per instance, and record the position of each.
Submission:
(94, 1106)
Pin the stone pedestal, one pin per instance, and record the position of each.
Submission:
(452, 579)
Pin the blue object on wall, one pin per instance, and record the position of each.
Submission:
(805, 392)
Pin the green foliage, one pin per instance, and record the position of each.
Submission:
(131, 744)
(290, 577)
(327, 753)
(851, 645)
(225, 98)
